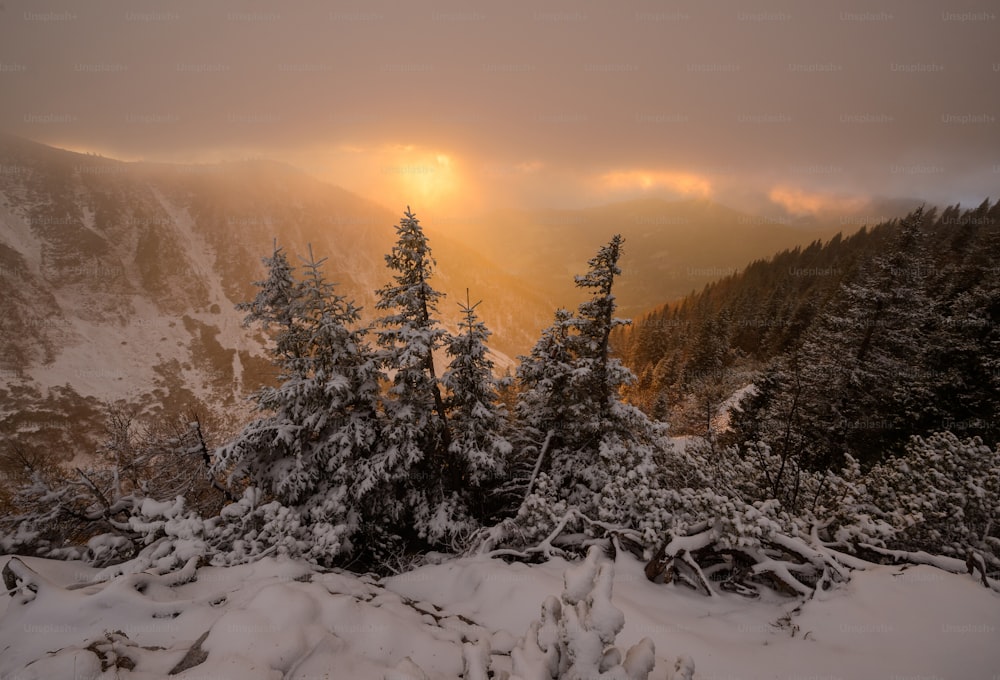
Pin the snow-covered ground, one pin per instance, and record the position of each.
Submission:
(724, 414)
(280, 619)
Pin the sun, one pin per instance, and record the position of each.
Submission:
(419, 177)
(433, 181)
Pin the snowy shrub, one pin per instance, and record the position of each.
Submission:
(942, 496)
(540, 512)
(127, 499)
(575, 637)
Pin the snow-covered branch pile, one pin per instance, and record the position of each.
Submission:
(142, 486)
(725, 532)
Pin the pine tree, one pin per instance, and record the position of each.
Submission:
(545, 407)
(856, 384)
(321, 420)
(870, 352)
(273, 308)
(595, 321)
(418, 475)
(345, 374)
(477, 417)
(592, 446)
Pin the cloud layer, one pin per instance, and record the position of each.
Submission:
(558, 103)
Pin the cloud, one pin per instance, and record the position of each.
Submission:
(590, 105)
(800, 202)
(685, 184)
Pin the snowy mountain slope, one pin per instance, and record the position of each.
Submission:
(280, 619)
(120, 279)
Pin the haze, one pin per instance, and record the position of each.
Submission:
(780, 107)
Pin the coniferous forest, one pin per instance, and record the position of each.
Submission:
(832, 403)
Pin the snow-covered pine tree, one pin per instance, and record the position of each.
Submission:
(884, 390)
(274, 308)
(598, 451)
(416, 475)
(477, 416)
(544, 405)
(317, 425)
(347, 422)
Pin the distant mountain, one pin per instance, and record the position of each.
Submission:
(119, 279)
(671, 247)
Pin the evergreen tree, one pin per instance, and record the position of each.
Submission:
(545, 408)
(477, 417)
(321, 420)
(857, 383)
(595, 321)
(596, 451)
(963, 353)
(274, 309)
(414, 466)
(864, 355)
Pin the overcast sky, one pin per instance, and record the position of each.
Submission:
(803, 104)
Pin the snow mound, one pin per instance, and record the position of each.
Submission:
(271, 619)
(284, 619)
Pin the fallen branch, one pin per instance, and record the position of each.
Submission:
(538, 463)
(975, 561)
(545, 548)
(20, 578)
(949, 564)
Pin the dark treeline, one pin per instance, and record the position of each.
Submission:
(853, 345)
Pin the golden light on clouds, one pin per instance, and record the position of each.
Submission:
(592, 106)
(801, 202)
(686, 184)
(396, 175)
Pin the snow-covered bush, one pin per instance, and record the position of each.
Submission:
(835, 503)
(703, 515)
(942, 496)
(575, 637)
(112, 509)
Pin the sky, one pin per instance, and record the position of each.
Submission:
(794, 106)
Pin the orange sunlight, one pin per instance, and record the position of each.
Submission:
(682, 183)
(800, 202)
(430, 181)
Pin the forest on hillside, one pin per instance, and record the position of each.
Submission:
(851, 346)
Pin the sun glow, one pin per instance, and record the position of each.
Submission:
(410, 175)
(682, 183)
(397, 175)
(800, 202)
